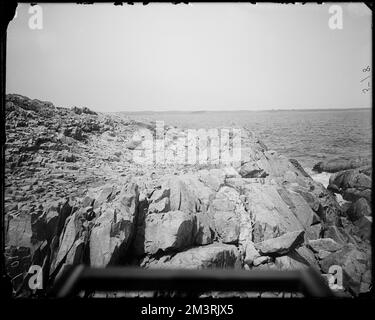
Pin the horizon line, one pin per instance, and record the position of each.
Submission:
(240, 110)
(202, 110)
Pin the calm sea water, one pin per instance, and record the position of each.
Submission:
(308, 136)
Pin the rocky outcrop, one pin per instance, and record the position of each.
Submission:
(252, 170)
(352, 184)
(75, 195)
(336, 165)
(85, 110)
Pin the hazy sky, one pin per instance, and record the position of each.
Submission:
(191, 57)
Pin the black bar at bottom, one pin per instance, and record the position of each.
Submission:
(78, 278)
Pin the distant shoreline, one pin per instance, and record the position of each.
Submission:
(237, 111)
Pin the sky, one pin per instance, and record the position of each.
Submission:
(204, 56)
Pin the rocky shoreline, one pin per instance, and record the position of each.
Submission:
(73, 194)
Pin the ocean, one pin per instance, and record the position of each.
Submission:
(309, 136)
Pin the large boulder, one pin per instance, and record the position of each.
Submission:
(290, 262)
(351, 179)
(114, 228)
(224, 212)
(281, 245)
(306, 256)
(215, 255)
(297, 259)
(187, 193)
(336, 165)
(270, 215)
(328, 209)
(359, 209)
(169, 231)
(298, 205)
(52, 220)
(199, 192)
(352, 184)
(336, 233)
(188, 198)
(227, 226)
(251, 253)
(308, 196)
(205, 229)
(326, 244)
(72, 242)
(352, 194)
(353, 262)
(364, 225)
